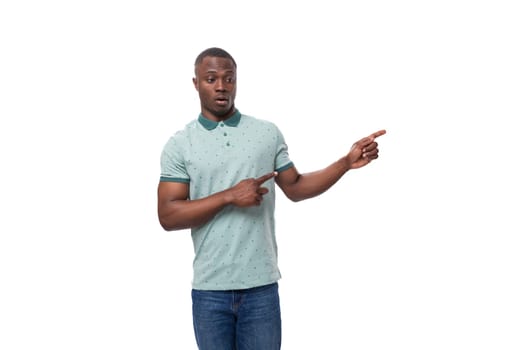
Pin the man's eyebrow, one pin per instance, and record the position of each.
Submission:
(216, 71)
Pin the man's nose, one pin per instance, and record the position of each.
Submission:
(219, 85)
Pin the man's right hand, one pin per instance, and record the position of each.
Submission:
(249, 192)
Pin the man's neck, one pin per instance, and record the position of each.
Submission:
(216, 118)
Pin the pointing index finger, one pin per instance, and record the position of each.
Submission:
(264, 178)
(378, 133)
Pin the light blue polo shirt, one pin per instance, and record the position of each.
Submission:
(236, 249)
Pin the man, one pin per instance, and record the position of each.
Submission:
(218, 178)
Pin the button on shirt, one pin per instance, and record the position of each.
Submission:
(237, 248)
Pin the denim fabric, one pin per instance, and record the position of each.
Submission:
(245, 319)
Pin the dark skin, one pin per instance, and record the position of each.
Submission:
(215, 81)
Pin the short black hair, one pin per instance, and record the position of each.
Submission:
(214, 52)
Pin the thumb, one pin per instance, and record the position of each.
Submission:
(262, 190)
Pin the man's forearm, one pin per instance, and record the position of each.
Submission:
(176, 213)
(314, 183)
(183, 214)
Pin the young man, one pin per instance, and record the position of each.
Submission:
(218, 178)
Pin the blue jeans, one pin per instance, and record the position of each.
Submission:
(245, 319)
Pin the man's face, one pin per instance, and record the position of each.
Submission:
(215, 80)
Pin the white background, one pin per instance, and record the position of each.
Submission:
(422, 249)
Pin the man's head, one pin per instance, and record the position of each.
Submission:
(213, 52)
(216, 81)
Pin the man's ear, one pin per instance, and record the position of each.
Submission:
(195, 83)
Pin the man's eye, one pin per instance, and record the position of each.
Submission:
(210, 80)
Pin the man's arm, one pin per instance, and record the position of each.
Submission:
(177, 212)
(298, 186)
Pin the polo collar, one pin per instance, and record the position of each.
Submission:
(210, 124)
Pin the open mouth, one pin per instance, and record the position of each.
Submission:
(222, 101)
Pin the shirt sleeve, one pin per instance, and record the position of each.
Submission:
(282, 158)
(172, 164)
